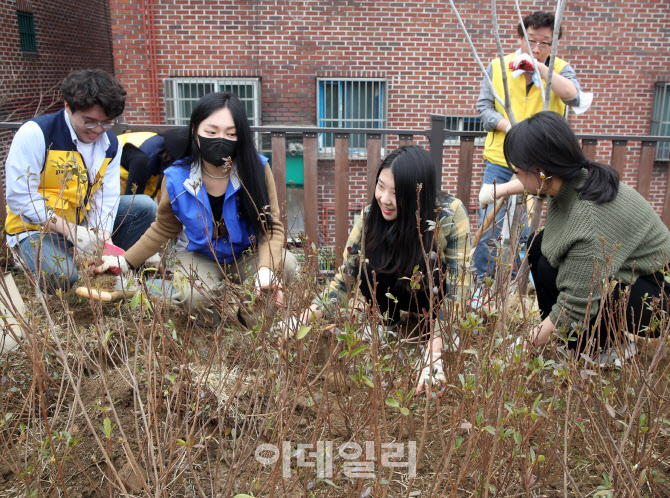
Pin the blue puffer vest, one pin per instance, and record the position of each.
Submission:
(191, 206)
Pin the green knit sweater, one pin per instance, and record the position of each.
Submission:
(619, 240)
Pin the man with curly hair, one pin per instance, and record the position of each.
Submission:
(62, 183)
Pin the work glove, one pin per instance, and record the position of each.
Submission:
(85, 239)
(288, 328)
(113, 264)
(522, 62)
(266, 280)
(432, 373)
(487, 195)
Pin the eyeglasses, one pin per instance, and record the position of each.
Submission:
(91, 125)
(533, 44)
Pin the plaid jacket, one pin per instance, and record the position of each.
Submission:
(453, 246)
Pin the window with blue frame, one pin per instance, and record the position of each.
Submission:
(660, 119)
(27, 37)
(350, 103)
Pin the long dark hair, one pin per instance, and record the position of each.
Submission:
(254, 196)
(393, 246)
(547, 142)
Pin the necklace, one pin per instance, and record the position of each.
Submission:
(216, 177)
(227, 167)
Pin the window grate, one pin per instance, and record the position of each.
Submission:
(660, 119)
(350, 103)
(463, 123)
(27, 36)
(181, 95)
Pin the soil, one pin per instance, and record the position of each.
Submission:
(235, 406)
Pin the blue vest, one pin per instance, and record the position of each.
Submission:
(190, 205)
(151, 147)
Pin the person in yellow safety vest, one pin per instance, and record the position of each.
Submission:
(146, 155)
(525, 88)
(62, 183)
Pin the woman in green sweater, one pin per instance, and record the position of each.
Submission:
(601, 238)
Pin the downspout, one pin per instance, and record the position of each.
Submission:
(150, 51)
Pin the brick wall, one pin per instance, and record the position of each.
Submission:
(619, 49)
(70, 34)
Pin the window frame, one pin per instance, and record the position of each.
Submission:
(660, 119)
(27, 35)
(355, 152)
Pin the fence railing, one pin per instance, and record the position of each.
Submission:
(436, 136)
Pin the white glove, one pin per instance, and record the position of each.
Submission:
(522, 62)
(85, 239)
(486, 195)
(265, 278)
(431, 372)
(288, 327)
(111, 262)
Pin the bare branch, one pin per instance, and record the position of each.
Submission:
(503, 69)
(474, 52)
(554, 47)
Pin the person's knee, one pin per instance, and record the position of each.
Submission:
(144, 207)
(53, 280)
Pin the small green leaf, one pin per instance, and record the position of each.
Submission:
(304, 330)
(392, 402)
(358, 351)
(135, 301)
(404, 410)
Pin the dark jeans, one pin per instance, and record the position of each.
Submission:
(639, 313)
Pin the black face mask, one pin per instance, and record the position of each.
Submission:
(216, 150)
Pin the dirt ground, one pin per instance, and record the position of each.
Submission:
(234, 413)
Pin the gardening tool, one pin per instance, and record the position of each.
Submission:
(102, 295)
(157, 287)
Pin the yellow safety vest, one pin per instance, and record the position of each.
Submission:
(523, 106)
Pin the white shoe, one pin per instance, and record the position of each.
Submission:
(611, 356)
(452, 346)
(153, 261)
(382, 333)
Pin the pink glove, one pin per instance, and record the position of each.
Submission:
(522, 62)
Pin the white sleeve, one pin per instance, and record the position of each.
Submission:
(23, 169)
(105, 201)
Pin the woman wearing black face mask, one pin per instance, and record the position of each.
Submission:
(222, 199)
